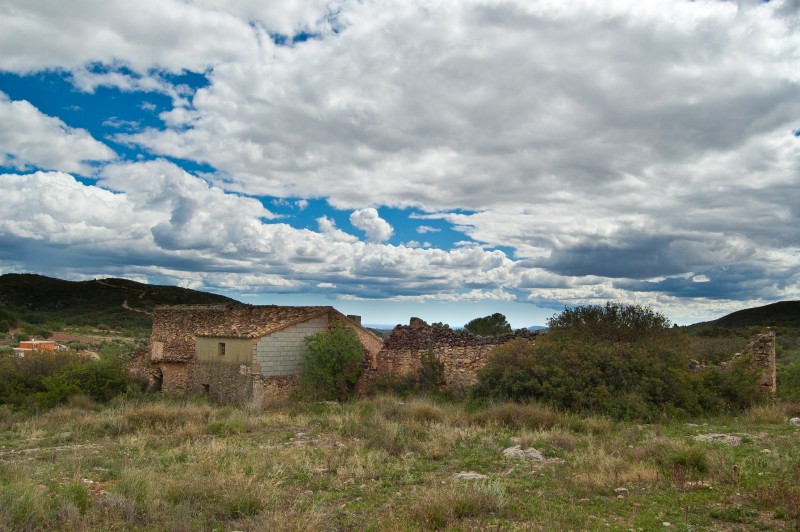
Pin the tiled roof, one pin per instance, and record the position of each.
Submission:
(257, 321)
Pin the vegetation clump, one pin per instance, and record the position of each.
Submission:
(332, 365)
(493, 325)
(42, 380)
(625, 361)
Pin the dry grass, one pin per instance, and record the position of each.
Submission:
(386, 463)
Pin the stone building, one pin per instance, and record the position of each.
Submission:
(243, 355)
(461, 352)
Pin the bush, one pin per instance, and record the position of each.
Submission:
(789, 382)
(429, 378)
(45, 379)
(613, 322)
(623, 361)
(332, 366)
(493, 325)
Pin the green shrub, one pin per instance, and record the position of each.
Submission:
(332, 366)
(42, 380)
(789, 381)
(623, 361)
(493, 325)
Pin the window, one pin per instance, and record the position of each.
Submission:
(221, 349)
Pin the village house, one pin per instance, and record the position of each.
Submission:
(29, 346)
(244, 355)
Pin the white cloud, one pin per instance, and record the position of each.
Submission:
(29, 138)
(623, 149)
(376, 228)
(422, 229)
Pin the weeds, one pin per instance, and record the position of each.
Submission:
(385, 463)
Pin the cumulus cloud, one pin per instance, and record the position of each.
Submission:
(622, 150)
(29, 138)
(376, 228)
(166, 223)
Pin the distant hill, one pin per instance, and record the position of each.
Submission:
(784, 314)
(117, 303)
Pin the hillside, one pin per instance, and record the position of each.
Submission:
(784, 314)
(116, 303)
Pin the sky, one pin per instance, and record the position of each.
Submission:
(445, 159)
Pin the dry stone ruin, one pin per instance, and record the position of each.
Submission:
(461, 352)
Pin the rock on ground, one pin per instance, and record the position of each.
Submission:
(728, 439)
(469, 475)
(518, 452)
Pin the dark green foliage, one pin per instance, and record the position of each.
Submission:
(623, 361)
(428, 379)
(41, 380)
(781, 314)
(493, 325)
(613, 322)
(332, 366)
(430, 375)
(7, 320)
(38, 299)
(789, 381)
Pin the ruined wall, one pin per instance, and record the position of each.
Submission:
(226, 382)
(462, 352)
(268, 390)
(762, 350)
(176, 377)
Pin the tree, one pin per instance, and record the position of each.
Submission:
(613, 322)
(332, 366)
(493, 325)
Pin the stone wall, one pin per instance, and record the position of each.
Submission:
(226, 382)
(176, 377)
(761, 349)
(462, 352)
(268, 390)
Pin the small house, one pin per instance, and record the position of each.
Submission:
(242, 355)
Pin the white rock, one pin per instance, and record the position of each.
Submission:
(795, 421)
(728, 439)
(621, 492)
(518, 452)
(469, 475)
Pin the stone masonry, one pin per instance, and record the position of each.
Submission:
(462, 352)
(761, 349)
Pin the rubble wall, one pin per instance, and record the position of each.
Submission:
(226, 382)
(176, 377)
(267, 390)
(462, 352)
(761, 349)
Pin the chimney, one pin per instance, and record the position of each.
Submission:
(354, 318)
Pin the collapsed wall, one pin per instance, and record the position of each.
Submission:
(461, 352)
(761, 351)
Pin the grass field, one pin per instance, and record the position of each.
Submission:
(388, 464)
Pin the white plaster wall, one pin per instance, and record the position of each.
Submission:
(280, 353)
